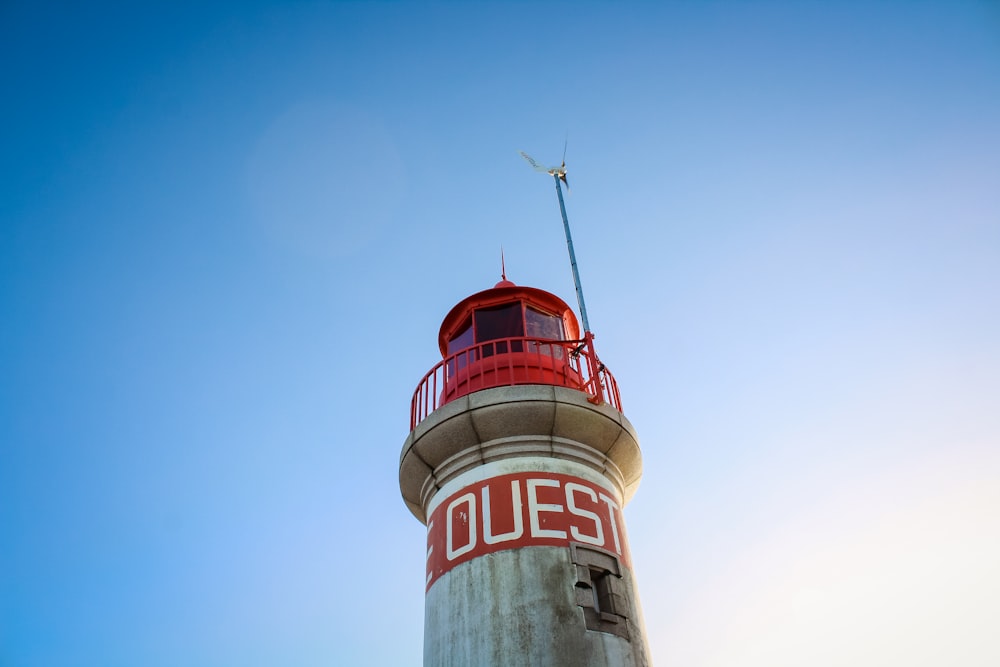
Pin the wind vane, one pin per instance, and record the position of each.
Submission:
(559, 174)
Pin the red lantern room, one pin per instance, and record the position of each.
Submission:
(512, 335)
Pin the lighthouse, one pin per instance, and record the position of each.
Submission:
(520, 461)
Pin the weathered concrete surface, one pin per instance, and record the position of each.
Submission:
(518, 608)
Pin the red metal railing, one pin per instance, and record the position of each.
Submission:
(513, 361)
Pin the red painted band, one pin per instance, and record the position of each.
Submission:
(521, 510)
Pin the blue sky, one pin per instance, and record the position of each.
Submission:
(229, 233)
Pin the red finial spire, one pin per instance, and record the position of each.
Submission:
(503, 273)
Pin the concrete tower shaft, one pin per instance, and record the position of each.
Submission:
(520, 474)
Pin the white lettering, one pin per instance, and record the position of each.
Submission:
(598, 538)
(534, 508)
(430, 550)
(488, 536)
(469, 518)
(612, 506)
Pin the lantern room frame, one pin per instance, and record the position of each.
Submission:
(476, 357)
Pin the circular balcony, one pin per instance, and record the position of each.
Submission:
(515, 361)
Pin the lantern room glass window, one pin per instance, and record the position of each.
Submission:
(543, 325)
(539, 324)
(499, 322)
(462, 339)
(486, 332)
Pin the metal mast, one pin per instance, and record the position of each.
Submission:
(559, 174)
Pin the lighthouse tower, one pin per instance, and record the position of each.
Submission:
(519, 462)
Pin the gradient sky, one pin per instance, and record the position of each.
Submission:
(229, 233)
